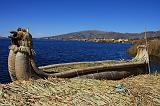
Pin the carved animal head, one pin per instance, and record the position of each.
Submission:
(14, 38)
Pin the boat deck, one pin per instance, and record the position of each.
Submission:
(79, 65)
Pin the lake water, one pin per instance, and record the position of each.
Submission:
(54, 52)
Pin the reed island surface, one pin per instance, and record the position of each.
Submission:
(143, 90)
(76, 83)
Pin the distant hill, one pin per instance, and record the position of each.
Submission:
(1, 37)
(96, 34)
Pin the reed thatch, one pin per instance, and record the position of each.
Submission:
(142, 90)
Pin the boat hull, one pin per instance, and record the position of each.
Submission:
(108, 71)
(119, 73)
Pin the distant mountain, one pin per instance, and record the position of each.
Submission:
(1, 37)
(96, 34)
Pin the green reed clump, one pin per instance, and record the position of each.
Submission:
(153, 47)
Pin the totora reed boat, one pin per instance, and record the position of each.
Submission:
(22, 66)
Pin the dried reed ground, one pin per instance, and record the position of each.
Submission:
(142, 90)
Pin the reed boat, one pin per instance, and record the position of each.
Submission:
(109, 69)
(22, 66)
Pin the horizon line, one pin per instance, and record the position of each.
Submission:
(5, 36)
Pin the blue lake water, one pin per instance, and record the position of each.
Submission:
(53, 52)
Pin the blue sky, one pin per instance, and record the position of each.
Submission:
(53, 17)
